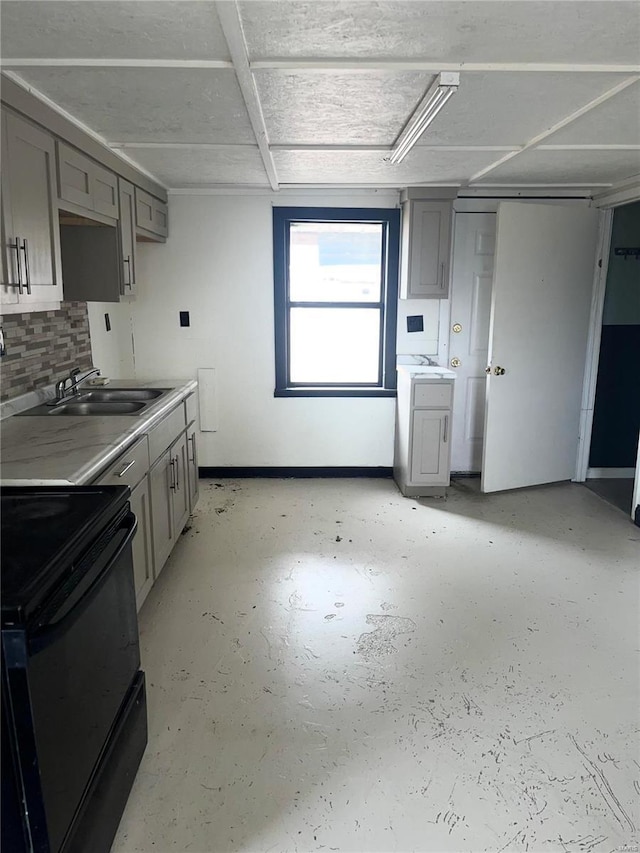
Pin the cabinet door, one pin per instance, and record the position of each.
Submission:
(104, 191)
(194, 482)
(426, 249)
(430, 447)
(161, 480)
(30, 213)
(128, 237)
(74, 176)
(151, 214)
(180, 490)
(142, 542)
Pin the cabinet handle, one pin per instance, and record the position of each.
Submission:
(177, 474)
(192, 439)
(172, 484)
(16, 246)
(445, 435)
(442, 276)
(127, 261)
(25, 249)
(126, 468)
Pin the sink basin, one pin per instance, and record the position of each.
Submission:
(117, 394)
(124, 407)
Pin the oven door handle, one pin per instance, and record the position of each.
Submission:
(75, 602)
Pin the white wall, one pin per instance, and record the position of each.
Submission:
(112, 351)
(218, 264)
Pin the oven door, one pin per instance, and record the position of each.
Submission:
(81, 660)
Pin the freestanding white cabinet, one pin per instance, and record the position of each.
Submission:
(423, 430)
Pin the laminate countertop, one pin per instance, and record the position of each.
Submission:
(73, 450)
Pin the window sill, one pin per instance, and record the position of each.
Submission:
(335, 392)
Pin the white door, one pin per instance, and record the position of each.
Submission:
(472, 276)
(540, 304)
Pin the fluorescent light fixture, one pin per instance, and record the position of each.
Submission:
(445, 85)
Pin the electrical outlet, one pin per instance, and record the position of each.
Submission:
(184, 318)
(415, 323)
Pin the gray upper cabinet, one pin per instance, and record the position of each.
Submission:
(31, 262)
(128, 237)
(426, 244)
(152, 215)
(85, 184)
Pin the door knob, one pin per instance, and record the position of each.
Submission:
(455, 362)
(499, 371)
(487, 369)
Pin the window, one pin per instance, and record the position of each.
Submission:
(336, 285)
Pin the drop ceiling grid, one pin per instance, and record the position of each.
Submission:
(222, 165)
(115, 29)
(566, 167)
(325, 109)
(149, 104)
(451, 31)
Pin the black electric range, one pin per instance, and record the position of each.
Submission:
(73, 698)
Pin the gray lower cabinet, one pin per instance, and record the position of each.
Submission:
(31, 262)
(142, 542)
(192, 467)
(423, 435)
(169, 487)
(430, 447)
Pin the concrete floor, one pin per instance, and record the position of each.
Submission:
(331, 666)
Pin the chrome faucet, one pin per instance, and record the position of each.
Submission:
(61, 386)
(76, 379)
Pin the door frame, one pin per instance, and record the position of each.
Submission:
(593, 345)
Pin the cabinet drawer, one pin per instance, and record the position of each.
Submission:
(432, 395)
(191, 405)
(165, 433)
(130, 468)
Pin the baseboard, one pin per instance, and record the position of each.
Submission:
(610, 473)
(287, 473)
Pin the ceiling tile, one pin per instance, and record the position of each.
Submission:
(149, 104)
(616, 122)
(510, 109)
(114, 29)
(188, 167)
(567, 167)
(456, 31)
(360, 167)
(369, 108)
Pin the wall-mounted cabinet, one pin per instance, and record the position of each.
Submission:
(152, 216)
(127, 233)
(31, 261)
(425, 251)
(85, 184)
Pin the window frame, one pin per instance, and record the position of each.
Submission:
(389, 218)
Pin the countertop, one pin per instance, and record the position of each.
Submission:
(426, 371)
(47, 451)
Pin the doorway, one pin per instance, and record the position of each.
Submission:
(616, 416)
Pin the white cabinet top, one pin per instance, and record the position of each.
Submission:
(425, 371)
(74, 450)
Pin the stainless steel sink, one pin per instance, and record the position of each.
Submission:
(123, 407)
(101, 401)
(116, 394)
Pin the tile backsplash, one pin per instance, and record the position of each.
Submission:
(42, 347)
